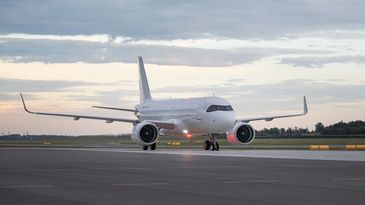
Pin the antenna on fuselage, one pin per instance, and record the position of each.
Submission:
(144, 89)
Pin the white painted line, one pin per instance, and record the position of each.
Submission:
(142, 184)
(262, 181)
(123, 168)
(251, 181)
(295, 166)
(54, 170)
(276, 154)
(26, 186)
(336, 155)
(348, 179)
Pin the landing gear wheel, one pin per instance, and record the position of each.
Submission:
(153, 146)
(216, 146)
(213, 146)
(144, 147)
(207, 145)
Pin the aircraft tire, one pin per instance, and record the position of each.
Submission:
(206, 145)
(216, 146)
(153, 146)
(213, 146)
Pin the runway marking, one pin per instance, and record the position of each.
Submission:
(251, 181)
(296, 166)
(27, 186)
(336, 155)
(123, 168)
(348, 179)
(55, 170)
(277, 154)
(142, 184)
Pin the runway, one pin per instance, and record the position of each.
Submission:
(122, 176)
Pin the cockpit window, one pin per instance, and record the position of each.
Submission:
(213, 108)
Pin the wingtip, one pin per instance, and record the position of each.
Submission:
(21, 96)
(140, 61)
(305, 105)
(24, 106)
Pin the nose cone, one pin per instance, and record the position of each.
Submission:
(219, 115)
(223, 122)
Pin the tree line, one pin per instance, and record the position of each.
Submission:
(341, 128)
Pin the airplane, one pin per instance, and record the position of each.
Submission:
(199, 117)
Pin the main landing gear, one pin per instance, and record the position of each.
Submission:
(152, 146)
(211, 144)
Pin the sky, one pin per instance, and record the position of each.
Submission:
(262, 56)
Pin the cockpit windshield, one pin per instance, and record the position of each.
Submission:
(213, 108)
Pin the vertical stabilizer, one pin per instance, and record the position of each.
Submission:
(144, 89)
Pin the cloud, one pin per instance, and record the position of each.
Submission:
(114, 98)
(71, 51)
(332, 34)
(100, 38)
(103, 94)
(194, 33)
(20, 85)
(163, 19)
(7, 97)
(320, 61)
(268, 97)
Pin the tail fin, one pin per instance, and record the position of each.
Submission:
(144, 89)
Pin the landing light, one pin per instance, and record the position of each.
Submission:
(185, 131)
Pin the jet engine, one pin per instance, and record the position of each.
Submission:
(145, 133)
(241, 133)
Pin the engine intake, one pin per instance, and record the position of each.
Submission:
(145, 133)
(241, 133)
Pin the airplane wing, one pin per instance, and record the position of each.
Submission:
(161, 124)
(115, 108)
(269, 118)
(77, 117)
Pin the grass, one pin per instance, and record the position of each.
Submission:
(309, 141)
(164, 141)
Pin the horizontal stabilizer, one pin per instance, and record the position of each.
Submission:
(115, 108)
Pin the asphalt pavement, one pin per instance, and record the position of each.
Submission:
(63, 176)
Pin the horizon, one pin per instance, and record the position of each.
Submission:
(126, 133)
(67, 59)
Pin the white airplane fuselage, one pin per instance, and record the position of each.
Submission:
(190, 115)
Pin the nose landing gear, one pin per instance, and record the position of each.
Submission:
(215, 146)
(211, 144)
(207, 145)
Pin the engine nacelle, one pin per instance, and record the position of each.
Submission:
(145, 133)
(241, 133)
